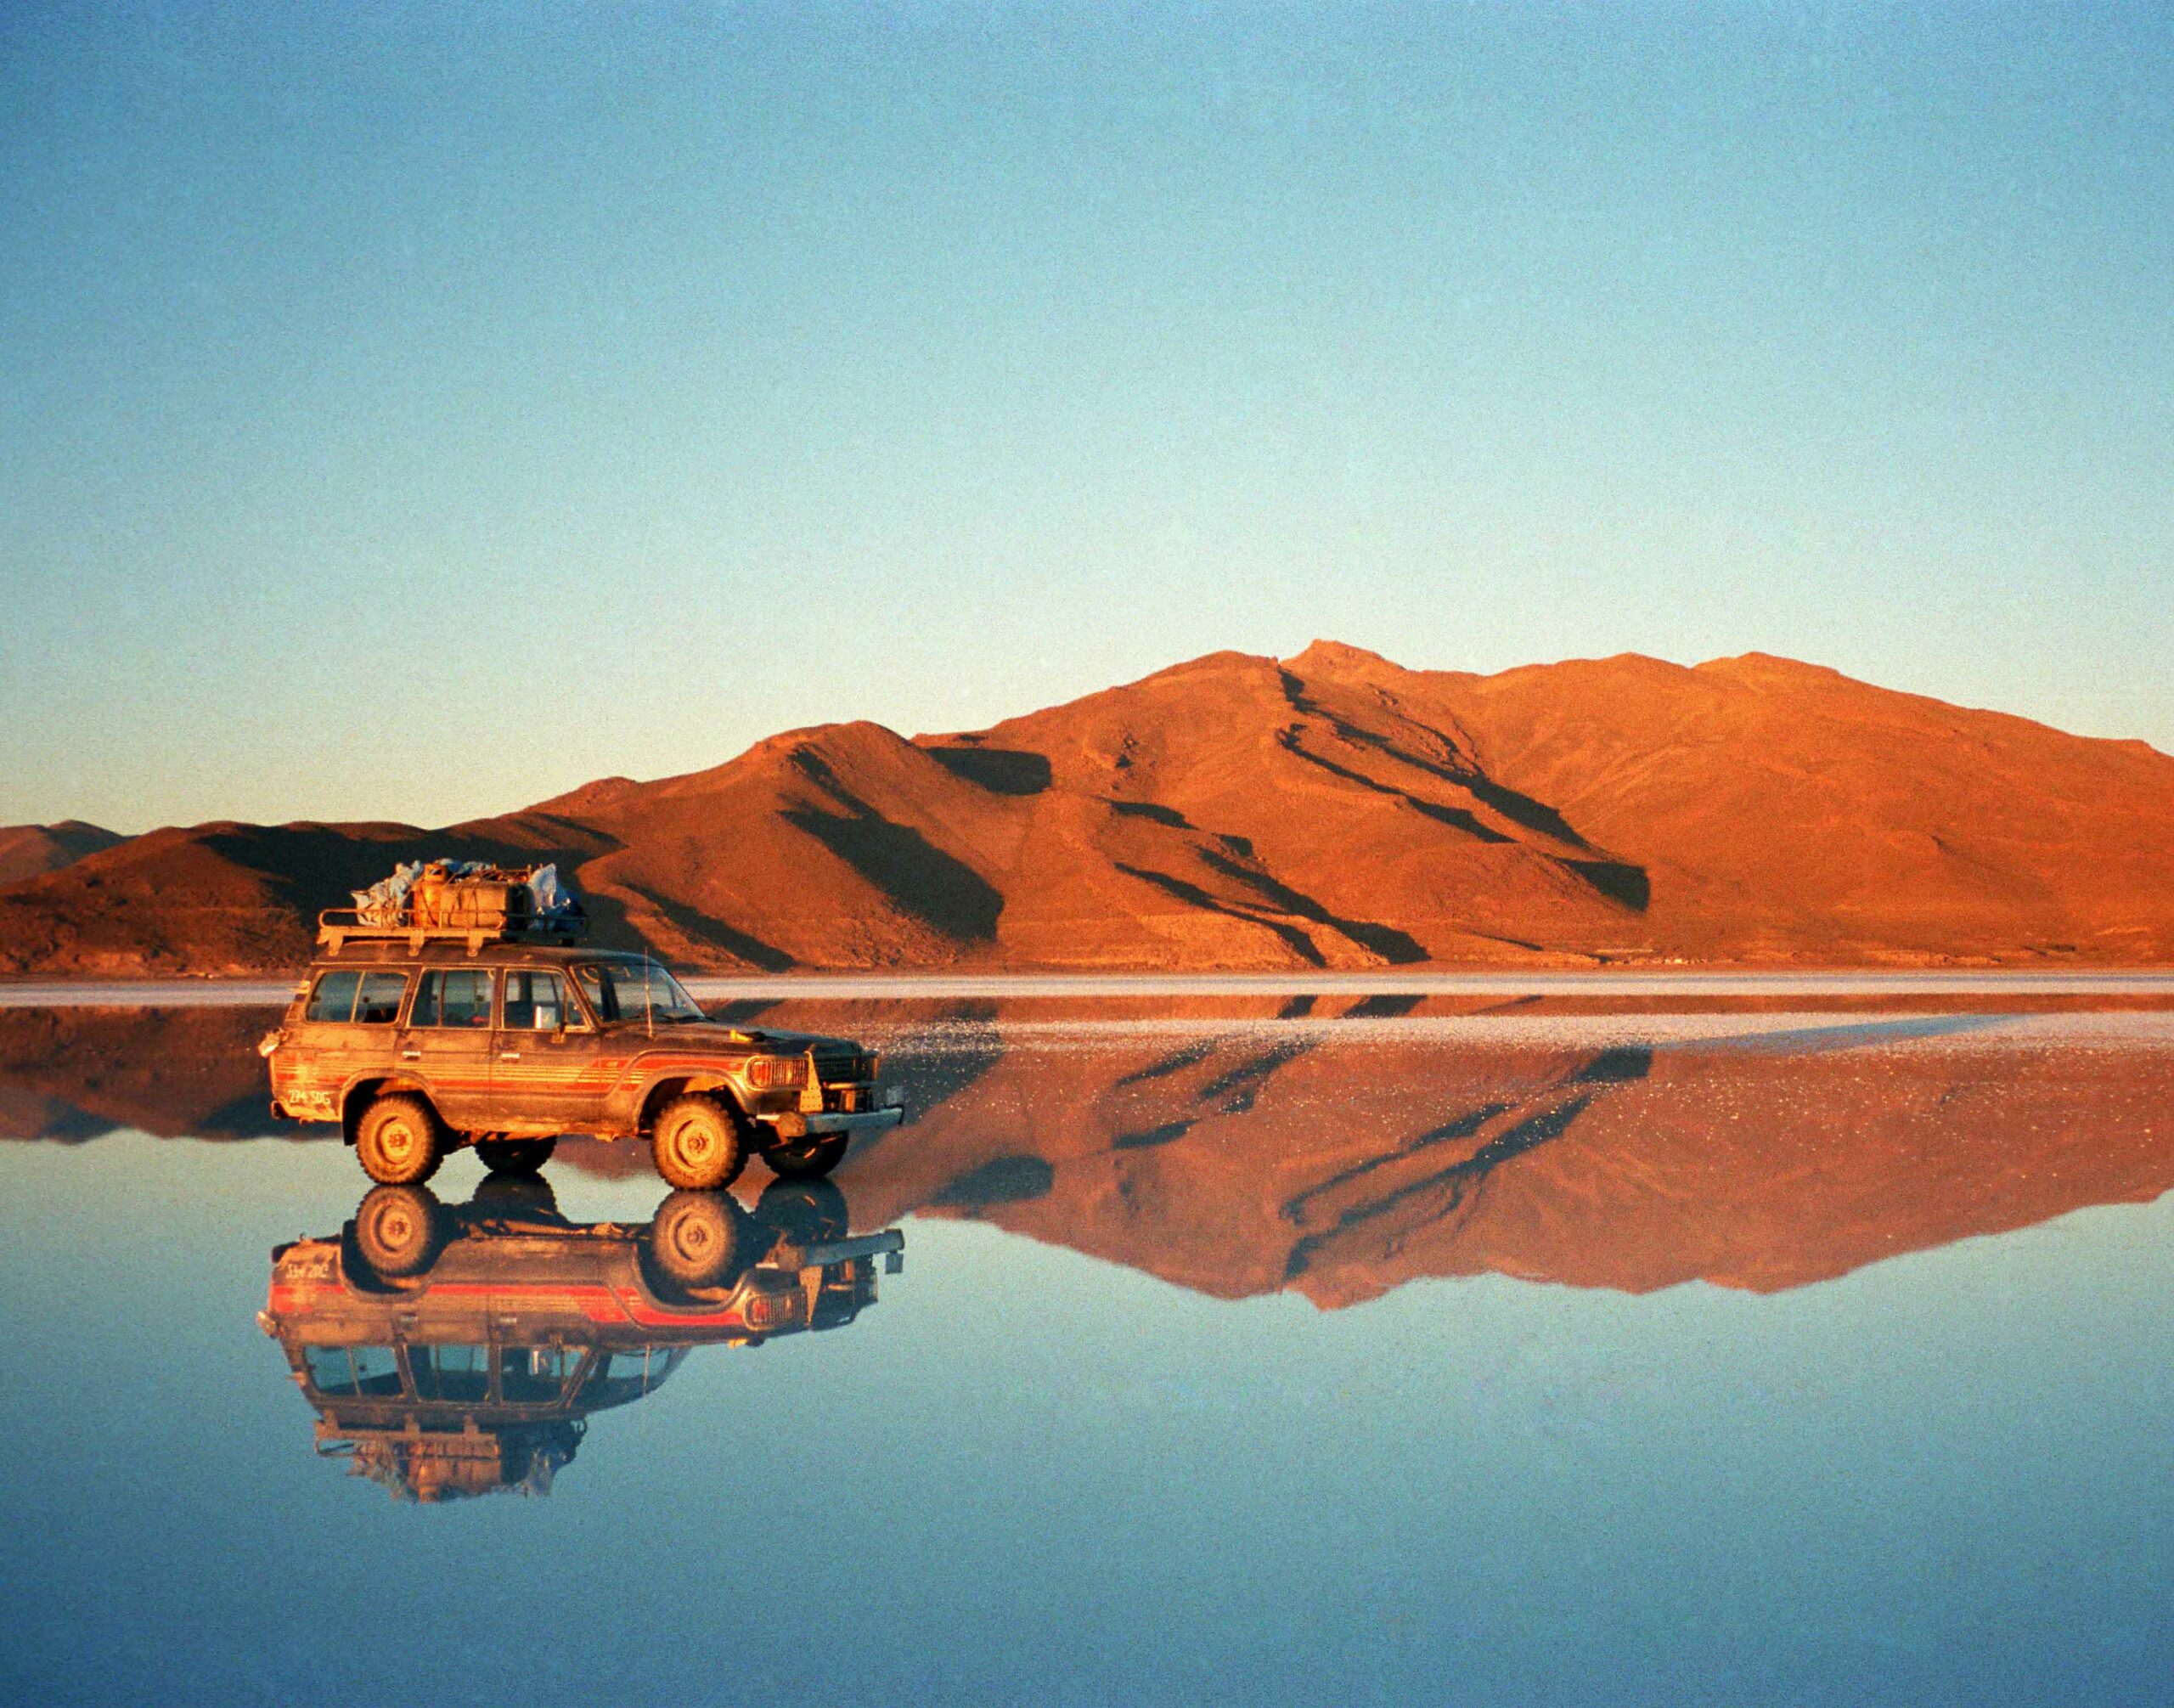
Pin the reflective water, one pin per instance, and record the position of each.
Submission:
(1796, 1355)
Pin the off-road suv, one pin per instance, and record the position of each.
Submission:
(420, 1041)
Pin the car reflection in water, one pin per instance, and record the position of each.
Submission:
(457, 1351)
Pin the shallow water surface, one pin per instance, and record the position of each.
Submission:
(1803, 1355)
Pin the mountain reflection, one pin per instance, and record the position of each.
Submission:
(457, 1351)
(1259, 1159)
(77, 1073)
(1240, 1154)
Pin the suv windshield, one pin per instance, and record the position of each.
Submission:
(620, 992)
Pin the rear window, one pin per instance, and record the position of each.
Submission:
(371, 998)
(378, 1004)
(352, 1372)
(334, 999)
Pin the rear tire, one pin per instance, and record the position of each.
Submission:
(398, 1229)
(515, 1156)
(809, 1160)
(697, 1144)
(398, 1141)
(694, 1237)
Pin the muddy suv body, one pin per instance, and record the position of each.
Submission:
(418, 1043)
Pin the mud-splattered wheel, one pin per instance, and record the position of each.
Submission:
(809, 1160)
(694, 1237)
(515, 1156)
(398, 1229)
(398, 1143)
(696, 1144)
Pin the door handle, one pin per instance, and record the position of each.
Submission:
(509, 1055)
(411, 1055)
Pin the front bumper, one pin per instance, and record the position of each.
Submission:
(793, 1125)
(891, 1242)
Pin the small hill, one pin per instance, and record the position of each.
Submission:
(1331, 811)
(27, 850)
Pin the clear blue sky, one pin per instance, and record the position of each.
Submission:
(414, 411)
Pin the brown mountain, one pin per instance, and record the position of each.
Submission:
(1333, 809)
(27, 850)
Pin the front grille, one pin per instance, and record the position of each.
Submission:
(843, 1069)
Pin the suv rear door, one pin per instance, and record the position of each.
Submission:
(448, 1041)
(346, 1024)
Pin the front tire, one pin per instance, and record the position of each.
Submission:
(809, 1160)
(515, 1156)
(398, 1141)
(696, 1144)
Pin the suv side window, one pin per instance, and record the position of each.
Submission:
(451, 1372)
(452, 998)
(536, 1002)
(378, 1004)
(334, 999)
(536, 1375)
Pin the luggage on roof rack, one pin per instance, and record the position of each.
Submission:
(494, 898)
(459, 899)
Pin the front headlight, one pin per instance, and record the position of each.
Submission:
(766, 1071)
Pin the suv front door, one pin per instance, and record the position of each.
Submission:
(448, 1044)
(545, 1073)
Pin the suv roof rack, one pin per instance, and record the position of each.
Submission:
(337, 927)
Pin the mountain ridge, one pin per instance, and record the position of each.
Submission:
(1333, 809)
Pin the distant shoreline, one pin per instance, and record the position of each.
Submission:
(64, 992)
